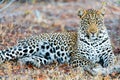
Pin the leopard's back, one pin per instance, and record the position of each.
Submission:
(46, 48)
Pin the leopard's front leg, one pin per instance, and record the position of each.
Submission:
(107, 58)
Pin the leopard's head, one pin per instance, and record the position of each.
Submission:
(92, 21)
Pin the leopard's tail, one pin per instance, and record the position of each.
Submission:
(15, 52)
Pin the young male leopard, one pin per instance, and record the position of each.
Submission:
(91, 44)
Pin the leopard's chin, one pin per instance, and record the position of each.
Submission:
(93, 36)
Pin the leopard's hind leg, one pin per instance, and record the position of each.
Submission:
(36, 61)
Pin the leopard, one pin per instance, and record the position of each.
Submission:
(93, 41)
(89, 46)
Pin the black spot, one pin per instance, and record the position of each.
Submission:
(7, 50)
(100, 37)
(20, 54)
(111, 53)
(13, 52)
(45, 42)
(45, 61)
(7, 58)
(47, 54)
(104, 54)
(51, 44)
(17, 52)
(30, 47)
(82, 53)
(84, 41)
(33, 46)
(92, 54)
(20, 49)
(51, 50)
(61, 59)
(104, 41)
(37, 60)
(74, 62)
(55, 56)
(49, 40)
(25, 47)
(41, 60)
(69, 54)
(109, 50)
(11, 55)
(31, 50)
(25, 50)
(58, 53)
(24, 54)
(47, 47)
(37, 49)
(55, 42)
(66, 48)
(63, 54)
(42, 47)
(103, 50)
(7, 54)
(70, 48)
(88, 57)
(77, 61)
(57, 47)
(2, 58)
(60, 43)
(105, 58)
(65, 57)
(62, 48)
(80, 62)
(10, 48)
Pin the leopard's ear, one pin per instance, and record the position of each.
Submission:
(81, 13)
(102, 9)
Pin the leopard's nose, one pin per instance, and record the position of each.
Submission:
(93, 31)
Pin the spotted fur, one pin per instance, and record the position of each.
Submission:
(90, 45)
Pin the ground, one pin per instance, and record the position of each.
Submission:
(22, 20)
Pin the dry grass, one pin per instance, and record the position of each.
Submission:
(47, 74)
(15, 71)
